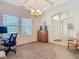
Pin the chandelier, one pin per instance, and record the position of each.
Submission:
(36, 12)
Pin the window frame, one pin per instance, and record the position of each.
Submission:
(13, 25)
(31, 27)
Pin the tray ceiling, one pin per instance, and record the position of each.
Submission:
(34, 4)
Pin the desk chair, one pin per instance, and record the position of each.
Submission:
(10, 42)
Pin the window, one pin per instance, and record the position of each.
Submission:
(61, 16)
(61, 23)
(12, 23)
(26, 26)
(56, 17)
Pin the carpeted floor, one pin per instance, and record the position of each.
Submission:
(42, 51)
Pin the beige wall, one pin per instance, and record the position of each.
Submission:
(72, 7)
(12, 10)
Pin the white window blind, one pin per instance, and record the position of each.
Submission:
(26, 26)
(11, 22)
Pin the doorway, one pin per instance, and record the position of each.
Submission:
(61, 23)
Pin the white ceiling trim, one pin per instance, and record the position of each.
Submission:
(37, 4)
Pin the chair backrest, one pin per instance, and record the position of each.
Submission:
(12, 39)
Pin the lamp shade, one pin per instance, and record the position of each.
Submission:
(3, 29)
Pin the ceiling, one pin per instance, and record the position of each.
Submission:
(34, 4)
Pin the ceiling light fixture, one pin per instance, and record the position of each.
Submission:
(36, 12)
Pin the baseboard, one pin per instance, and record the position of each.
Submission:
(26, 43)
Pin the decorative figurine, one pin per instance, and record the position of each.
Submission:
(43, 26)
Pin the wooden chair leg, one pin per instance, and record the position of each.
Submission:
(76, 47)
(68, 45)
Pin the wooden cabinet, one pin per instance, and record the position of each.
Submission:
(42, 36)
